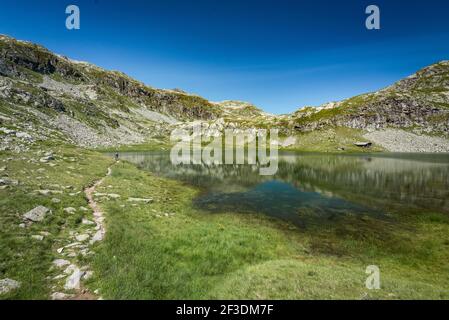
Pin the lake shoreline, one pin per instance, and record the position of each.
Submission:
(201, 256)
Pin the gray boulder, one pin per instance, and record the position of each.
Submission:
(37, 214)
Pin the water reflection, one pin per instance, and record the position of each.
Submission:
(315, 185)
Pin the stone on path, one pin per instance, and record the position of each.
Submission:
(59, 296)
(97, 237)
(7, 285)
(70, 269)
(82, 237)
(73, 282)
(87, 222)
(61, 263)
(37, 214)
(72, 245)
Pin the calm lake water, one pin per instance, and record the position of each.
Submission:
(311, 187)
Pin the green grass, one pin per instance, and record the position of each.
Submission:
(22, 258)
(191, 254)
(195, 255)
(154, 145)
(338, 139)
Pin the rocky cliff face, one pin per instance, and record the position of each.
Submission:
(419, 102)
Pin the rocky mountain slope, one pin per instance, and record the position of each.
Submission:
(45, 96)
(419, 102)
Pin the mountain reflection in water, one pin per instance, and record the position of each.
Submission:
(309, 186)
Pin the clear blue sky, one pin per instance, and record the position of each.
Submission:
(279, 54)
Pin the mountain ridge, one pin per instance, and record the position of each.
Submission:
(46, 96)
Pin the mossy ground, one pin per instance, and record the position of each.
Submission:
(169, 250)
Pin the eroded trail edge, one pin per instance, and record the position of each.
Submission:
(97, 211)
(73, 274)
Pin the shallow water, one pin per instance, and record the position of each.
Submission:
(312, 187)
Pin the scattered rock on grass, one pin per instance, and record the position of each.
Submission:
(8, 182)
(8, 285)
(70, 210)
(140, 200)
(37, 214)
(48, 157)
(108, 195)
(48, 192)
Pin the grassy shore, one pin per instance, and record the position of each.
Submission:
(167, 249)
(332, 140)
